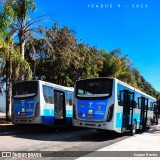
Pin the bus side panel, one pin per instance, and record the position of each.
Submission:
(118, 118)
(118, 111)
(69, 107)
(112, 100)
(136, 116)
(46, 109)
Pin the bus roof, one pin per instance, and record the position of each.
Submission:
(121, 82)
(133, 88)
(51, 84)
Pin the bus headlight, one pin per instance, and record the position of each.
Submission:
(110, 113)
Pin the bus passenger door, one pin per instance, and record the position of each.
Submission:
(143, 104)
(156, 111)
(128, 102)
(59, 108)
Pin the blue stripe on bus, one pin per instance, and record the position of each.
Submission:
(118, 120)
(49, 112)
(47, 119)
(69, 113)
(137, 117)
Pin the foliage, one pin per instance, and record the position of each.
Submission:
(16, 61)
(56, 56)
(60, 59)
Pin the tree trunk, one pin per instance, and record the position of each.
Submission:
(7, 88)
(22, 45)
(8, 81)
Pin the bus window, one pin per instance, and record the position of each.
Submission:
(48, 94)
(94, 88)
(146, 103)
(139, 103)
(59, 104)
(120, 95)
(69, 97)
(25, 89)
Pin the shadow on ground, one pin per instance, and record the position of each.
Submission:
(57, 134)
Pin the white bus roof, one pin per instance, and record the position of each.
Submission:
(57, 86)
(53, 85)
(123, 83)
(137, 90)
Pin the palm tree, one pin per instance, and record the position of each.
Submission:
(14, 21)
(15, 13)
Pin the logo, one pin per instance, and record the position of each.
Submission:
(99, 108)
(101, 103)
(90, 111)
(90, 104)
(50, 111)
(23, 110)
(6, 154)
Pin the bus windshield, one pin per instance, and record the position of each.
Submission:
(25, 89)
(94, 88)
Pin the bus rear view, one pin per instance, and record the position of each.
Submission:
(43, 103)
(25, 100)
(93, 103)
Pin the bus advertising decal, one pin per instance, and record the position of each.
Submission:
(92, 109)
(23, 107)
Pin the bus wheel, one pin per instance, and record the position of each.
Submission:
(134, 128)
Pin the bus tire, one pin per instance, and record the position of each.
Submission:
(134, 128)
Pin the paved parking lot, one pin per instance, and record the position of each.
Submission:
(142, 146)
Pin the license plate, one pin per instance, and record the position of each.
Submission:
(90, 115)
(23, 113)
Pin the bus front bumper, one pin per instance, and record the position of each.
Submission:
(31, 120)
(88, 124)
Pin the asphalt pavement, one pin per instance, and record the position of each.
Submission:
(141, 146)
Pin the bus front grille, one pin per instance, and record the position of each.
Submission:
(88, 124)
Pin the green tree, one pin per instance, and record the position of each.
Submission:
(12, 63)
(60, 59)
(15, 20)
(113, 64)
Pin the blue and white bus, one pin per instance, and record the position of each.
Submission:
(39, 102)
(110, 104)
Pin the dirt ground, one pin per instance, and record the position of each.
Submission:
(4, 121)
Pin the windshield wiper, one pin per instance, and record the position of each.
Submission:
(25, 95)
(92, 95)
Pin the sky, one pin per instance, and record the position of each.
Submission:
(133, 26)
